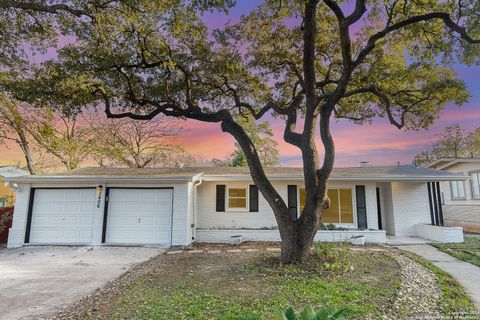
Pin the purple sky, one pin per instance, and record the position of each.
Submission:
(379, 143)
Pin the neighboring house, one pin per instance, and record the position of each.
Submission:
(7, 194)
(462, 198)
(177, 206)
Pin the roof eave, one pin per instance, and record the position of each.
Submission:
(333, 178)
(106, 179)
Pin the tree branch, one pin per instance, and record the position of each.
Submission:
(416, 19)
(53, 9)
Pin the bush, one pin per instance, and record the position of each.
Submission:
(335, 256)
(6, 215)
(331, 226)
(308, 313)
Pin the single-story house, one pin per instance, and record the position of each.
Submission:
(178, 206)
(462, 197)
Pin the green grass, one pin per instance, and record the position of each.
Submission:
(453, 300)
(468, 251)
(226, 286)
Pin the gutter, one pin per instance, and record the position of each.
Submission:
(333, 178)
(38, 179)
(194, 204)
(209, 177)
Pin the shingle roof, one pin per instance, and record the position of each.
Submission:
(379, 173)
(444, 163)
(12, 171)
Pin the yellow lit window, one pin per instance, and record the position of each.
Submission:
(341, 206)
(303, 196)
(237, 198)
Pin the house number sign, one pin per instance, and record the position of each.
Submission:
(98, 194)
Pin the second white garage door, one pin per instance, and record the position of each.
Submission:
(139, 216)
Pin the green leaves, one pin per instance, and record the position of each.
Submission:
(261, 135)
(310, 313)
(150, 53)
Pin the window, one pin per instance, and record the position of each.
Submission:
(475, 184)
(3, 203)
(458, 190)
(341, 206)
(237, 198)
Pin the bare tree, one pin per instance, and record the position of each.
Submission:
(65, 136)
(135, 144)
(13, 127)
(452, 142)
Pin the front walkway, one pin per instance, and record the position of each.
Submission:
(465, 273)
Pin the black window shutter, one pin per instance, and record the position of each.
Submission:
(253, 198)
(220, 198)
(361, 207)
(292, 202)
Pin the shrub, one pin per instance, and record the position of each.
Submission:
(331, 226)
(308, 313)
(5, 217)
(335, 256)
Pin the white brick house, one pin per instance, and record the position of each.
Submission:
(178, 206)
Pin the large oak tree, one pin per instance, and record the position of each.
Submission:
(309, 59)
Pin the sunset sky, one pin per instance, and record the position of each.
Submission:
(379, 143)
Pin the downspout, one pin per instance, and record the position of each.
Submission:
(194, 209)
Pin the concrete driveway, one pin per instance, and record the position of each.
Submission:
(38, 281)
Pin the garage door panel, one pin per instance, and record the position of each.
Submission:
(62, 216)
(139, 216)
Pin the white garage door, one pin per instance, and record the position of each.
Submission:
(62, 216)
(139, 216)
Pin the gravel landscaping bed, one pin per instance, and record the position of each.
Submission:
(415, 296)
(418, 293)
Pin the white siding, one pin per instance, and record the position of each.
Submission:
(16, 234)
(208, 218)
(180, 227)
(388, 215)
(371, 197)
(410, 204)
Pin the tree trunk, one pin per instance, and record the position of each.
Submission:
(23, 143)
(297, 239)
(298, 236)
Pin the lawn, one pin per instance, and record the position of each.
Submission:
(468, 251)
(226, 285)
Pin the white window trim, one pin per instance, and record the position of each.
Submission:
(354, 224)
(471, 173)
(227, 206)
(464, 191)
